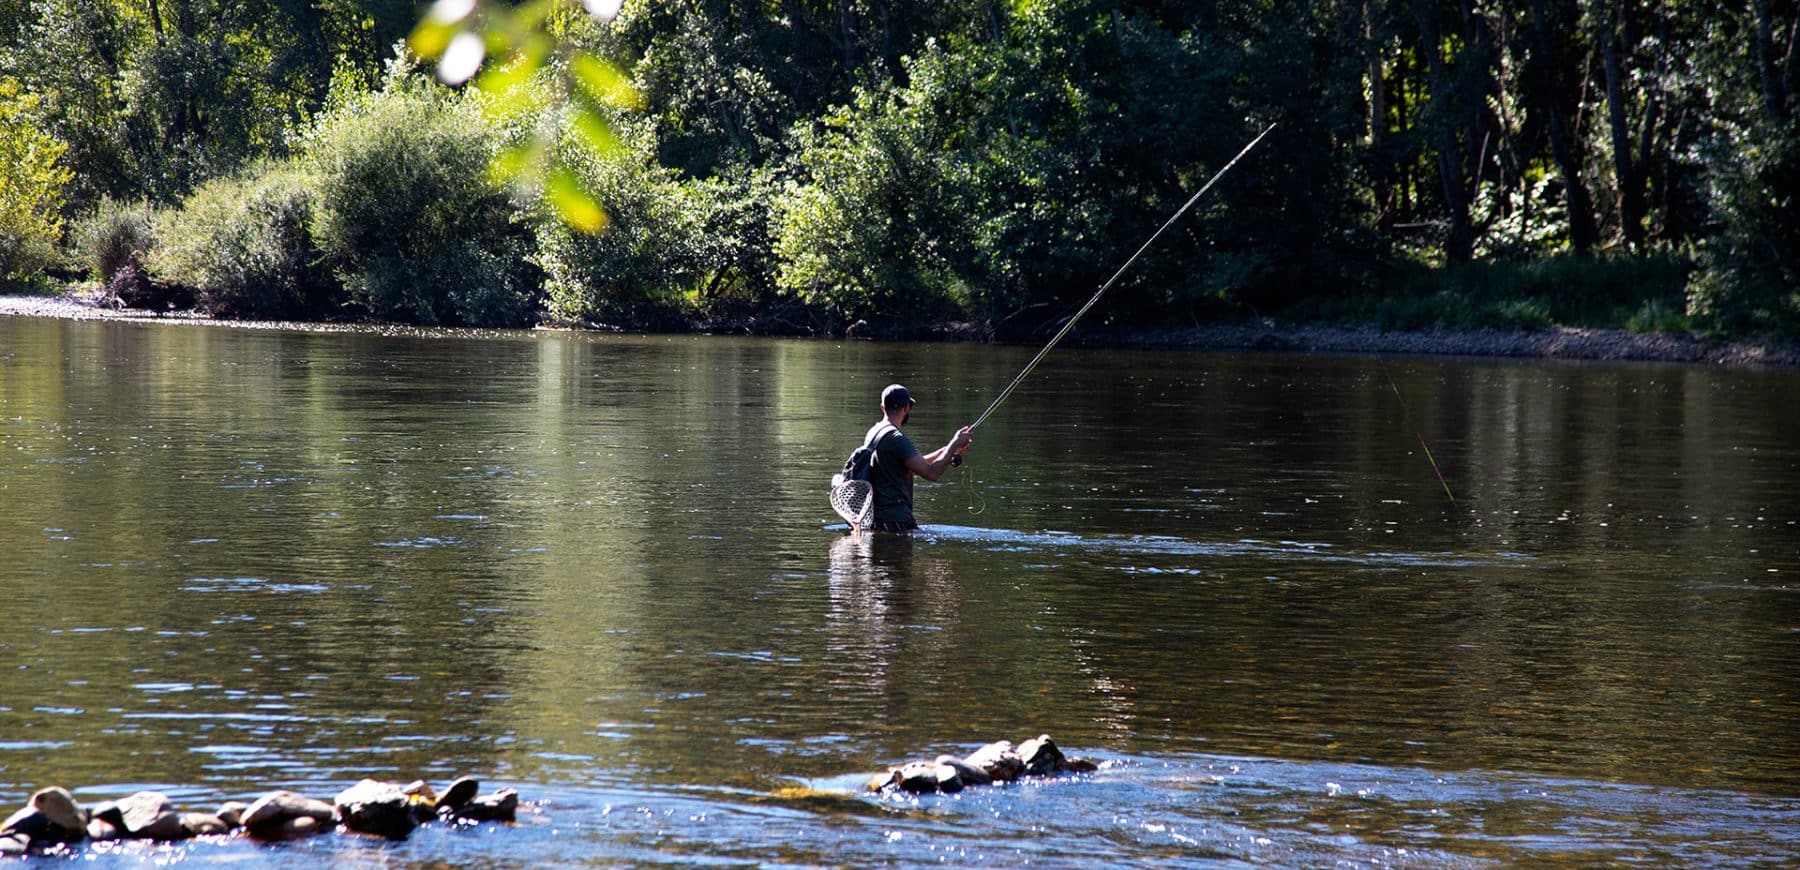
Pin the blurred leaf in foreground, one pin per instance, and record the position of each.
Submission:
(503, 49)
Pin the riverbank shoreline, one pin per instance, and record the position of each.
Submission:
(1262, 335)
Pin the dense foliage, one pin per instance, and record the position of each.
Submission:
(31, 183)
(407, 215)
(243, 245)
(818, 162)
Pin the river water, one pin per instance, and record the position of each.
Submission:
(597, 569)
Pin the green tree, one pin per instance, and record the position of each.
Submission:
(155, 97)
(1749, 275)
(407, 214)
(32, 179)
(662, 250)
(243, 246)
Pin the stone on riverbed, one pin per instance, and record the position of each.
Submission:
(999, 761)
(284, 815)
(204, 825)
(232, 813)
(145, 815)
(54, 820)
(380, 808)
(461, 804)
(52, 817)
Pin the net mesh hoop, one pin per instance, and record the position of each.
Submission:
(854, 500)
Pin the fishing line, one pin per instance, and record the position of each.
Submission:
(977, 502)
(1406, 417)
(1070, 324)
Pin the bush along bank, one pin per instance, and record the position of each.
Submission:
(385, 212)
(389, 209)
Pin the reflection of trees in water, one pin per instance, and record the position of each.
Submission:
(1116, 712)
(259, 552)
(889, 620)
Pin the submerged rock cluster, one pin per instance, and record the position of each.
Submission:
(54, 820)
(1000, 761)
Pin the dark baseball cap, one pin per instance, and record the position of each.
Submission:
(895, 396)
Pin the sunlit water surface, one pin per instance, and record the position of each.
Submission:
(596, 568)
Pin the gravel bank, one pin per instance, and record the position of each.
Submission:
(1265, 335)
(1549, 343)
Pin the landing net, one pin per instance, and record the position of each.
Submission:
(854, 500)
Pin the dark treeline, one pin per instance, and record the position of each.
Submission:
(802, 164)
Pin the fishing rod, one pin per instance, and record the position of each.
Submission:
(1114, 279)
(1405, 417)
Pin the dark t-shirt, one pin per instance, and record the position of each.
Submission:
(888, 474)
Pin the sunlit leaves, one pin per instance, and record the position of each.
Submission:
(32, 178)
(604, 82)
(508, 52)
(577, 207)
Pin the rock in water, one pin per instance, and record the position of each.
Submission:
(380, 808)
(64, 813)
(151, 815)
(1041, 756)
(14, 844)
(968, 773)
(948, 781)
(458, 793)
(501, 806)
(294, 828)
(284, 815)
(203, 825)
(232, 813)
(998, 760)
(51, 817)
(917, 778)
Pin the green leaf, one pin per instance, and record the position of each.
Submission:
(604, 82)
(577, 207)
(511, 164)
(429, 39)
(593, 129)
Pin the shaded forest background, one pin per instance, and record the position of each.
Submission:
(801, 165)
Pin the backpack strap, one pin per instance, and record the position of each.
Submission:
(880, 433)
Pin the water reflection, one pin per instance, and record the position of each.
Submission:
(593, 566)
(889, 605)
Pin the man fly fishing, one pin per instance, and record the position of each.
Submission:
(875, 487)
(896, 461)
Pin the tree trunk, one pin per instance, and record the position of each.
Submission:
(156, 22)
(1631, 185)
(1565, 147)
(1774, 87)
(847, 19)
(1382, 168)
(1459, 242)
